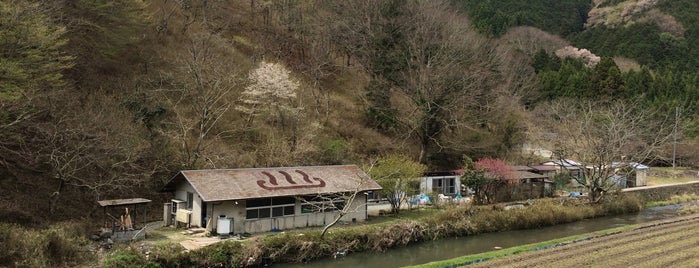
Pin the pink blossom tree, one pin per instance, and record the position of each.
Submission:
(484, 177)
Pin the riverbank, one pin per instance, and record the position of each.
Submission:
(674, 245)
(300, 246)
(306, 245)
(303, 245)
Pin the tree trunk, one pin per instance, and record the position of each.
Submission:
(327, 227)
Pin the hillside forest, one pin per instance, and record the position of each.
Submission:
(109, 99)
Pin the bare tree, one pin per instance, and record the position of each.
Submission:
(200, 97)
(80, 152)
(605, 139)
(428, 68)
(343, 203)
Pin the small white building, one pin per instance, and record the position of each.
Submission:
(634, 174)
(254, 200)
(441, 182)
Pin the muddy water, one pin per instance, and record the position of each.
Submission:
(455, 247)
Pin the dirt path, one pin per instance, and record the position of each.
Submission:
(667, 243)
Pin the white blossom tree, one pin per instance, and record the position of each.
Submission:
(272, 90)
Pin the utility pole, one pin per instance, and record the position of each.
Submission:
(674, 134)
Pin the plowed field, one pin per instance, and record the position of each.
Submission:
(668, 243)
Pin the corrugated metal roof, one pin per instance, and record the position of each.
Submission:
(120, 202)
(567, 163)
(544, 168)
(236, 184)
(521, 168)
(527, 175)
(632, 164)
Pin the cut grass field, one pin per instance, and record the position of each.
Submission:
(667, 243)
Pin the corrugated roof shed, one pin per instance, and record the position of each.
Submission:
(527, 175)
(237, 184)
(121, 202)
(521, 168)
(544, 168)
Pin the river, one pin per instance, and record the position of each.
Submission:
(454, 247)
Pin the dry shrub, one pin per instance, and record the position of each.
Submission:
(687, 209)
(621, 203)
(295, 248)
(398, 234)
(253, 251)
(454, 222)
(58, 245)
(168, 254)
(222, 254)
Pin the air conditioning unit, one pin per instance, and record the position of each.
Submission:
(183, 216)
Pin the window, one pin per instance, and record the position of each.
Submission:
(437, 186)
(444, 185)
(269, 207)
(373, 196)
(177, 204)
(324, 203)
(450, 186)
(190, 200)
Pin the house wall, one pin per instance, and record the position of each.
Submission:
(426, 183)
(641, 177)
(236, 210)
(181, 193)
(357, 212)
(230, 210)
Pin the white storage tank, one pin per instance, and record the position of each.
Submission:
(223, 226)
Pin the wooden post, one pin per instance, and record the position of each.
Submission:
(145, 208)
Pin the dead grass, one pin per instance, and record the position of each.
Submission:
(668, 175)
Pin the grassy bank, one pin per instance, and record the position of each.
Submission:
(306, 246)
(61, 245)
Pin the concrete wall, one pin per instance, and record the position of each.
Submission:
(357, 212)
(641, 177)
(231, 210)
(663, 192)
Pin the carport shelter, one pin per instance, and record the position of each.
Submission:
(268, 199)
(123, 223)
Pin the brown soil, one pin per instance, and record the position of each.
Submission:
(667, 243)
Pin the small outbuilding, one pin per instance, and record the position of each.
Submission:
(634, 174)
(441, 182)
(125, 219)
(253, 200)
